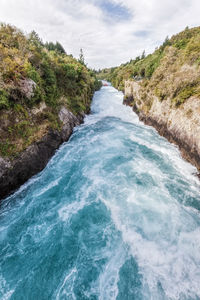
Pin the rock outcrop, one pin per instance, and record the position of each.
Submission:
(15, 172)
(27, 87)
(180, 125)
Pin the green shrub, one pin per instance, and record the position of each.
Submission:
(70, 71)
(184, 94)
(76, 105)
(36, 98)
(181, 44)
(4, 101)
(32, 73)
(53, 119)
(19, 108)
(55, 73)
(22, 128)
(160, 94)
(49, 83)
(6, 147)
(55, 47)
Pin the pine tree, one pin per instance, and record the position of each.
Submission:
(81, 57)
(55, 47)
(166, 42)
(35, 39)
(143, 55)
(59, 48)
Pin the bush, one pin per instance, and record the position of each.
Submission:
(49, 83)
(6, 148)
(55, 73)
(55, 47)
(97, 84)
(160, 94)
(37, 98)
(184, 94)
(31, 73)
(4, 102)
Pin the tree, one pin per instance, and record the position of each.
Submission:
(137, 59)
(35, 39)
(81, 57)
(55, 47)
(166, 42)
(60, 48)
(143, 55)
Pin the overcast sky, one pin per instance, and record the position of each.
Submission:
(110, 32)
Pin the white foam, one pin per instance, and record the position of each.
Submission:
(65, 290)
(162, 234)
(5, 291)
(173, 263)
(108, 280)
(109, 103)
(48, 187)
(67, 211)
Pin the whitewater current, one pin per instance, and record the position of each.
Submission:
(114, 215)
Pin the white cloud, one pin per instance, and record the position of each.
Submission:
(83, 24)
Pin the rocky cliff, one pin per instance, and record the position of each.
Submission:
(16, 171)
(180, 125)
(164, 89)
(44, 93)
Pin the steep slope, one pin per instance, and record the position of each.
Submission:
(164, 89)
(43, 95)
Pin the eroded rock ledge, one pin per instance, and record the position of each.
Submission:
(179, 125)
(14, 173)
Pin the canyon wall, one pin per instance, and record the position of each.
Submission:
(180, 125)
(16, 171)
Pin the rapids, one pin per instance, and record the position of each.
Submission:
(114, 215)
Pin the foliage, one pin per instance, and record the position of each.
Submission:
(6, 147)
(81, 57)
(30, 73)
(35, 39)
(171, 71)
(55, 47)
(138, 68)
(55, 73)
(4, 102)
(186, 92)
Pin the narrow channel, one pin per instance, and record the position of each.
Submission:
(114, 215)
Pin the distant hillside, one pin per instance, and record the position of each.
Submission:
(159, 69)
(164, 89)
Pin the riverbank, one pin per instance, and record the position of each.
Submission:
(163, 88)
(44, 94)
(15, 172)
(180, 126)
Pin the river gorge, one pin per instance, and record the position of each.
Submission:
(114, 215)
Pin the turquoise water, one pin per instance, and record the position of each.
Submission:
(114, 215)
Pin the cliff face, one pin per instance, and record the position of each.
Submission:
(164, 89)
(15, 172)
(44, 93)
(180, 125)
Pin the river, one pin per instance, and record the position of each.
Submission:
(114, 215)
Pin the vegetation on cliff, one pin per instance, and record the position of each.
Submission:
(36, 79)
(172, 71)
(164, 89)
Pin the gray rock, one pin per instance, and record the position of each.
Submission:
(27, 87)
(4, 165)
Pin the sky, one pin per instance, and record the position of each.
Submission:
(110, 32)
